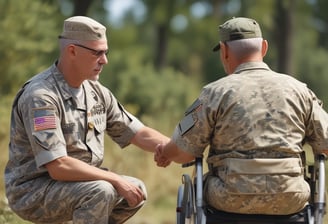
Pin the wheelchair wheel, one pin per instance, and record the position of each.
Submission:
(185, 202)
(180, 211)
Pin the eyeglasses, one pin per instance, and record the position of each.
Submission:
(97, 53)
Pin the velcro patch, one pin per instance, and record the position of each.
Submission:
(186, 123)
(196, 104)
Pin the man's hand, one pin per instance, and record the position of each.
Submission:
(159, 158)
(132, 194)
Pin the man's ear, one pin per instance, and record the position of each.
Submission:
(265, 47)
(223, 50)
(71, 50)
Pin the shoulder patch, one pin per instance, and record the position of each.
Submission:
(187, 123)
(193, 106)
(44, 118)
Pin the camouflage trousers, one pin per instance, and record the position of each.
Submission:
(82, 203)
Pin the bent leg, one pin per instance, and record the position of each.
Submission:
(84, 203)
(122, 211)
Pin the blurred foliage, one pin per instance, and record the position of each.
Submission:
(27, 41)
(30, 43)
(145, 91)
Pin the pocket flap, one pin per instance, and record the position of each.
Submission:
(263, 166)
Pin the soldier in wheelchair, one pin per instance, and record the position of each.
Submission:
(254, 123)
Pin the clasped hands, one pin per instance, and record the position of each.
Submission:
(159, 157)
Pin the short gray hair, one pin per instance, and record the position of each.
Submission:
(244, 47)
(63, 43)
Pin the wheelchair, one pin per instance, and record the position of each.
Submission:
(191, 208)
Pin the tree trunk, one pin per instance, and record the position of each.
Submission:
(161, 47)
(284, 24)
(81, 7)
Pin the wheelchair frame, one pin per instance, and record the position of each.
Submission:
(191, 209)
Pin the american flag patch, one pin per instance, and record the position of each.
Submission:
(44, 119)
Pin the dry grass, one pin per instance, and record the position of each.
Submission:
(162, 183)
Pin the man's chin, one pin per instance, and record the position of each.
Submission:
(94, 78)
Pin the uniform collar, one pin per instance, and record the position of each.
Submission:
(65, 89)
(251, 66)
(61, 82)
(91, 99)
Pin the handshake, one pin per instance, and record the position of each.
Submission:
(160, 156)
(167, 152)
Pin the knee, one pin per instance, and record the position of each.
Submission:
(99, 191)
(138, 183)
(105, 188)
(142, 186)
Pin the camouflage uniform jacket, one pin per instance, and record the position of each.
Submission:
(49, 122)
(248, 119)
(254, 112)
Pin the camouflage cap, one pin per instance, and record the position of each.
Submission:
(83, 28)
(238, 28)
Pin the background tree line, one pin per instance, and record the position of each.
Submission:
(160, 57)
(171, 37)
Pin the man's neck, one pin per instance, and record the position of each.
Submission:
(68, 74)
